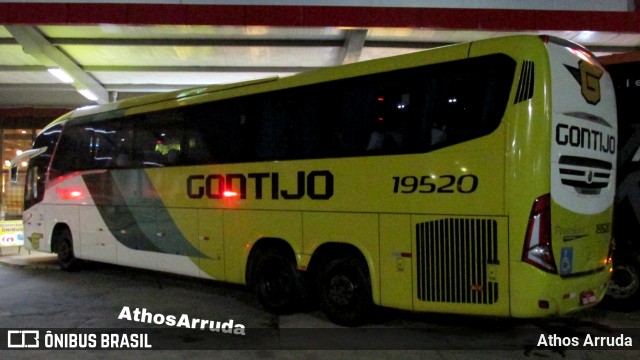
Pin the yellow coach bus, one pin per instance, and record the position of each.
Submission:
(476, 178)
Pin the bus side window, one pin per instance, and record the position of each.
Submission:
(122, 157)
(218, 133)
(104, 144)
(196, 150)
(272, 142)
(174, 157)
(390, 116)
(438, 133)
(73, 151)
(452, 117)
(158, 138)
(145, 153)
(356, 112)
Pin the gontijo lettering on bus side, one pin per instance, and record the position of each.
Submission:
(316, 185)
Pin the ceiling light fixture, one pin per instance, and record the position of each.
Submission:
(61, 75)
(88, 94)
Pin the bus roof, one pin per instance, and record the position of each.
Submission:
(319, 75)
(167, 96)
(213, 92)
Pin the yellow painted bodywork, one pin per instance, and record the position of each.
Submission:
(511, 166)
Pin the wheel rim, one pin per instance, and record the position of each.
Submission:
(275, 284)
(624, 283)
(341, 290)
(64, 250)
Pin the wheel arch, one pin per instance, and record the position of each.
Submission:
(331, 250)
(265, 243)
(331, 264)
(55, 232)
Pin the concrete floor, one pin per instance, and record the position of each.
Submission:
(35, 294)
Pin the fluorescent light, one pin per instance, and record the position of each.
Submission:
(88, 94)
(61, 75)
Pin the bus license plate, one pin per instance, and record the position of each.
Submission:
(588, 298)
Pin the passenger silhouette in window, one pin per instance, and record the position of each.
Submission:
(390, 113)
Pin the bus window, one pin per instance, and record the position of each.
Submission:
(105, 144)
(158, 138)
(72, 154)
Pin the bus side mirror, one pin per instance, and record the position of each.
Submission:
(14, 172)
(25, 156)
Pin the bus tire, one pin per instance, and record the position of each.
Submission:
(276, 282)
(344, 291)
(624, 288)
(64, 249)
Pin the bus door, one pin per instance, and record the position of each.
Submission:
(33, 216)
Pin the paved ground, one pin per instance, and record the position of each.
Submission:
(35, 294)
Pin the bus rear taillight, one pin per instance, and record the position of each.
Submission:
(612, 248)
(537, 243)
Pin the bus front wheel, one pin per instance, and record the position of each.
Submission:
(276, 282)
(64, 248)
(344, 289)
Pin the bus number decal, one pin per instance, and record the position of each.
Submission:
(428, 184)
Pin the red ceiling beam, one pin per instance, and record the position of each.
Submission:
(245, 15)
(361, 16)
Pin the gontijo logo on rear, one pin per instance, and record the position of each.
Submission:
(584, 141)
(590, 81)
(583, 136)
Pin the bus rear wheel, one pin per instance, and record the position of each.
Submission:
(276, 281)
(624, 288)
(344, 289)
(64, 248)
